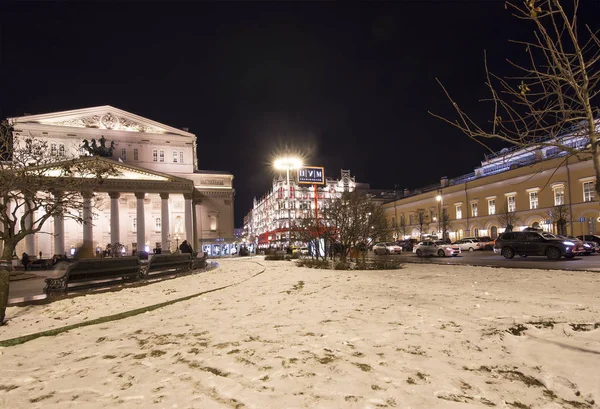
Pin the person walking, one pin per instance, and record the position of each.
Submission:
(25, 260)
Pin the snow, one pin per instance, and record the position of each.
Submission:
(282, 336)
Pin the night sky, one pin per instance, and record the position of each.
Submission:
(348, 86)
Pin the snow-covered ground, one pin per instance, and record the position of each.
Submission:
(426, 336)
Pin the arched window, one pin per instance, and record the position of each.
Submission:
(134, 224)
(158, 224)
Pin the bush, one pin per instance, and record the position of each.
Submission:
(340, 265)
(312, 263)
(273, 257)
(380, 265)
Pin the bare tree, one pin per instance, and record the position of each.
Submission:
(553, 98)
(36, 185)
(560, 215)
(403, 228)
(421, 216)
(507, 219)
(355, 221)
(445, 224)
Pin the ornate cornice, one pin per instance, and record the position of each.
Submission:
(212, 193)
(108, 121)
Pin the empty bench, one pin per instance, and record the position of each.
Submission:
(164, 263)
(95, 272)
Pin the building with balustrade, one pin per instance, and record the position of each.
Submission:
(159, 198)
(540, 186)
(268, 223)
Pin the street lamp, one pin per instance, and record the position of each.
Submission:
(288, 163)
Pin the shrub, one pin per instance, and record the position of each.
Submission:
(340, 265)
(312, 263)
(273, 257)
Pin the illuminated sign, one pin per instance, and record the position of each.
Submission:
(311, 175)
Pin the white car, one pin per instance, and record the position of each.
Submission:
(469, 244)
(386, 248)
(432, 248)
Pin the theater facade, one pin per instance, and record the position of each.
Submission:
(159, 198)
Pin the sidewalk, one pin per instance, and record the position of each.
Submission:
(29, 285)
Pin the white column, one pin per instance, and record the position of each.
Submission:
(115, 236)
(30, 238)
(189, 234)
(165, 222)
(88, 227)
(59, 233)
(141, 222)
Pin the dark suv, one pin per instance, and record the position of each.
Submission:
(531, 243)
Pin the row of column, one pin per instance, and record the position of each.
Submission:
(88, 232)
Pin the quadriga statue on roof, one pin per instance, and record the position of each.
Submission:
(95, 150)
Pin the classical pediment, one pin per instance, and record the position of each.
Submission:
(102, 117)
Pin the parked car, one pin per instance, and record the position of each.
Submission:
(407, 245)
(300, 250)
(386, 248)
(469, 244)
(436, 248)
(532, 243)
(590, 247)
(488, 242)
(590, 237)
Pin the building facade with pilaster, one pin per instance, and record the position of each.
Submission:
(159, 198)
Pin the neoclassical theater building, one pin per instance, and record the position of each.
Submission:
(160, 197)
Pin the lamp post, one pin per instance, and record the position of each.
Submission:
(440, 201)
(288, 163)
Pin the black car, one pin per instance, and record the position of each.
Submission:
(531, 243)
(590, 237)
(407, 245)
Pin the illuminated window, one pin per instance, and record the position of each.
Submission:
(61, 150)
(123, 154)
(53, 149)
(174, 157)
(491, 206)
(533, 200)
(136, 154)
(474, 209)
(510, 201)
(162, 156)
(588, 191)
(157, 224)
(458, 212)
(213, 223)
(559, 195)
(181, 157)
(154, 155)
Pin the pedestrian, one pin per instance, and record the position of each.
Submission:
(25, 260)
(185, 247)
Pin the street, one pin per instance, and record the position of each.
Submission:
(488, 258)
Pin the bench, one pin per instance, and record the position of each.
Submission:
(168, 263)
(94, 272)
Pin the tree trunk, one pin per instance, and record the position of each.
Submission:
(5, 269)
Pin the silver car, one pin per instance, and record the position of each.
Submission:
(432, 248)
(386, 248)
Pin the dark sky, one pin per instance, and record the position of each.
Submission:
(349, 86)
